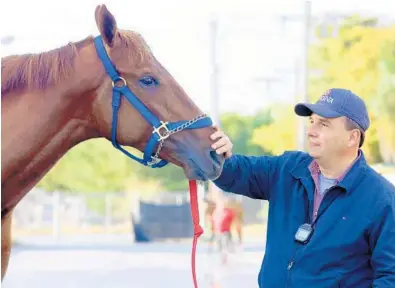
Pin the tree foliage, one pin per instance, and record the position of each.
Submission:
(92, 166)
(280, 134)
(241, 128)
(361, 58)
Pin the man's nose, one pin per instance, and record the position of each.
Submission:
(311, 132)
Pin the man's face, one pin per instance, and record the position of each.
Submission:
(328, 137)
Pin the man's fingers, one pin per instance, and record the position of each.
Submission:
(216, 135)
(220, 143)
(224, 149)
(223, 145)
(221, 150)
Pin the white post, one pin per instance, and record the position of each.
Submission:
(215, 71)
(56, 215)
(305, 74)
(108, 215)
(178, 199)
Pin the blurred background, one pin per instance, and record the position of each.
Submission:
(99, 220)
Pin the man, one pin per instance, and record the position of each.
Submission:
(331, 217)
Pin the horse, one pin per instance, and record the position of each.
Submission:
(55, 100)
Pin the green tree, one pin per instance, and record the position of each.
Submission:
(240, 129)
(386, 101)
(170, 177)
(359, 59)
(280, 134)
(92, 166)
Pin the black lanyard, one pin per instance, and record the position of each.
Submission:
(330, 198)
(306, 230)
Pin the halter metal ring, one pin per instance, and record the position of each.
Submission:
(157, 130)
(117, 80)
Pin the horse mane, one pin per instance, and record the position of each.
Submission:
(39, 70)
(42, 70)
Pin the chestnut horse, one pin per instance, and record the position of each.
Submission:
(54, 100)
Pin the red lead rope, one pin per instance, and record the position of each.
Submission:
(197, 229)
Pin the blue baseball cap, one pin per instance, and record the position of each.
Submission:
(335, 103)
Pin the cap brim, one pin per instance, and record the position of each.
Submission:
(305, 109)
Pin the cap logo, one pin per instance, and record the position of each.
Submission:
(326, 98)
(327, 92)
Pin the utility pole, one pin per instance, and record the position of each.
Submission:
(304, 70)
(214, 97)
(305, 74)
(214, 91)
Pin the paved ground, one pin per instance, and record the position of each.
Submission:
(113, 261)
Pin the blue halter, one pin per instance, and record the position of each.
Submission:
(161, 130)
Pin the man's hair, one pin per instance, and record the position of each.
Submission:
(351, 125)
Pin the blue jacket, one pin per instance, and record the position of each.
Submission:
(353, 244)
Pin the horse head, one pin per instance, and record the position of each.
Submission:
(139, 71)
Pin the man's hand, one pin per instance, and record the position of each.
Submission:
(223, 145)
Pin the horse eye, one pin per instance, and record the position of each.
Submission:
(148, 81)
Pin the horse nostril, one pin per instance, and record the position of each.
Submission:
(216, 158)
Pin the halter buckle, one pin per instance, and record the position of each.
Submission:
(157, 130)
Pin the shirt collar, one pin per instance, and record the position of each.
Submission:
(314, 168)
(315, 171)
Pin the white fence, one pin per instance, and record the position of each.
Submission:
(60, 213)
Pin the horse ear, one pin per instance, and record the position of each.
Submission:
(106, 24)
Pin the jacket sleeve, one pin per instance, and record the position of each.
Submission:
(248, 175)
(382, 239)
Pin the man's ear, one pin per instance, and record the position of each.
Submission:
(354, 137)
(106, 24)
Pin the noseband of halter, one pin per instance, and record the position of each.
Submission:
(161, 130)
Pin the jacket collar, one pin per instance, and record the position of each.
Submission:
(351, 178)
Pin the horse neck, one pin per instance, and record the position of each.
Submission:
(39, 127)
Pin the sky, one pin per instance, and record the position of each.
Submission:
(253, 44)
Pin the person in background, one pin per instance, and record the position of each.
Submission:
(222, 220)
